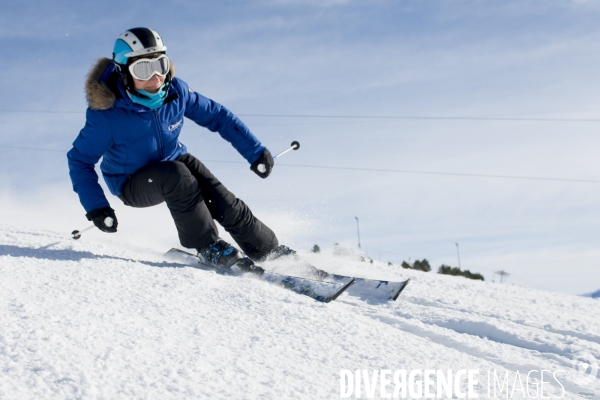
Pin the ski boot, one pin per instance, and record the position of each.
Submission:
(219, 254)
(247, 265)
(281, 251)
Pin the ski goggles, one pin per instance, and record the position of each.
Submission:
(145, 68)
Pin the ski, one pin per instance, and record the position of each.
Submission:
(362, 287)
(373, 288)
(318, 290)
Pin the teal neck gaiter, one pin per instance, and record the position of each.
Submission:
(153, 100)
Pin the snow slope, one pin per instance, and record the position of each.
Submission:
(82, 320)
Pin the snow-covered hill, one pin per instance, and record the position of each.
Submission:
(80, 320)
(594, 295)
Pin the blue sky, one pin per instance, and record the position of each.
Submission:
(325, 59)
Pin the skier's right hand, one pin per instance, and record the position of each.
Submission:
(100, 218)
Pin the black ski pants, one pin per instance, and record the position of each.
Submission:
(196, 198)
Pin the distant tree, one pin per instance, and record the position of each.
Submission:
(390, 263)
(470, 275)
(405, 265)
(422, 265)
(316, 249)
(425, 265)
(455, 271)
(448, 270)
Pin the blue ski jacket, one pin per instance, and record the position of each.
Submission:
(129, 136)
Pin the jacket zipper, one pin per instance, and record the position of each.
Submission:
(159, 131)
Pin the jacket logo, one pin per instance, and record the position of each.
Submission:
(175, 125)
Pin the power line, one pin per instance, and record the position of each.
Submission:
(32, 148)
(412, 117)
(43, 111)
(431, 173)
(387, 117)
(532, 178)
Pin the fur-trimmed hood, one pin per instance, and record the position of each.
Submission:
(101, 88)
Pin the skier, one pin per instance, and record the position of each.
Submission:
(136, 110)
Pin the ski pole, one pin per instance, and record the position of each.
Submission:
(108, 221)
(294, 146)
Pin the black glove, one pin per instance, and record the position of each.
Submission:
(266, 160)
(99, 215)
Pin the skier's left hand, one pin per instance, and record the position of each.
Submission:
(99, 216)
(267, 161)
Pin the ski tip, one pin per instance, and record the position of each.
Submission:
(180, 251)
(401, 289)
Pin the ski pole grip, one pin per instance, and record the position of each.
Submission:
(294, 146)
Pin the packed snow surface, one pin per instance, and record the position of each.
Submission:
(83, 320)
